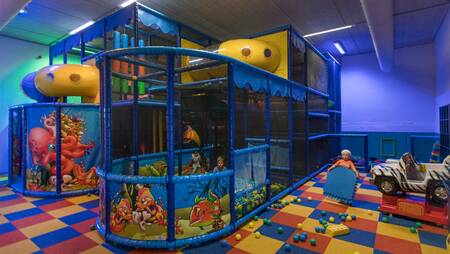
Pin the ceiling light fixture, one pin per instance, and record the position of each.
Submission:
(76, 30)
(126, 3)
(339, 47)
(328, 31)
(23, 11)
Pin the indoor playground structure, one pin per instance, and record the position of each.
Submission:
(198, 135)
(184, 137)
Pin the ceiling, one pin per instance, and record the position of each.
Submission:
(415, 22)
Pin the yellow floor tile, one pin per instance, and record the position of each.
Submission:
(374, 193)
(337, 246)
(94, 236)
(30, 199)
(262, 245)
(397, 231)
(363, 213)
(431, 249)
(25, 246)
(288, 197)
(310, 183)
(3, 220)
(298, 210)
(6, 193)
(96, 250)
(58, 213)
(43, 228)
(16, 208)
(256, 225)
(309, 225)
(82, 199)
(315, 190)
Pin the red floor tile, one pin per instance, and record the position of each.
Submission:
(368, 198)
(232, 240)
(74, 245)
(363, 224)
(11, 237)
(315, 196)
(56, 205)
(18, 200)
(28, 221)
(287, 219)
(335, 208)
(434, 229)
(84, 226)
(237, 251)
(395, 245)
(322, 242)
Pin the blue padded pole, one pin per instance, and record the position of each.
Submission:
(23, 145)
(135, 97)
(170, 151)
(107, 124)
(179, 37)
(231, 143)
(10, 147)
(58, 149)
(105, 36)
(268, 162)
(83, 48)
(141, 43)
(291, 138)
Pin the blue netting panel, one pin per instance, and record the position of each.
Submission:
(250, 168)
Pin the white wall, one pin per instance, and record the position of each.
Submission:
(18, 58)
(402, 100)
(442, 52)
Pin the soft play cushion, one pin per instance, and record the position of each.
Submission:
(340, 185)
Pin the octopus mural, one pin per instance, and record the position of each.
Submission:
(42, 145)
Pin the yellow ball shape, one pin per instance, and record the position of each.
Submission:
(251, 225)
(257, 235)
(331, 219)
(299, 226)
(369, 212)
(349, 218)
(238, 237)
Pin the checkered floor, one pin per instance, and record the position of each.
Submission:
(31, 225)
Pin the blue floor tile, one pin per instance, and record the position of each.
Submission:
(90, 204)
(211, 247)
(359, 237)
(271, 231)
(368, 187)
(296, 193)
(78, 217)
(23, 214)
(317, 214)
(46, 201)
(267, 214)
(7, 227)
(9, 197)
(295, 250)
(54, 237)
(320, 185)
(375, 251)
(310, 203)
(365, 205)
(117, 249)
(433, 239)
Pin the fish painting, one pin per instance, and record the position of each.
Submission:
(206, 212)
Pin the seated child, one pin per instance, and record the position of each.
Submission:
(345, 162)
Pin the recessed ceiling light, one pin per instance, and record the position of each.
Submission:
(23, 11)
(126, 3)
(328, 31)
(339, 47)
(76, 30)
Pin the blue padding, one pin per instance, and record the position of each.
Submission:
(251, 149)
(341, 185)
(57, 49)
(298, 93)
(118, 178)
(94, 31)
(157, 23)
(279, 87)
(72, 41)
(246, 79)
(202, 177)
(119, 18)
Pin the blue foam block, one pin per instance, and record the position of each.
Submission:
(340, 185)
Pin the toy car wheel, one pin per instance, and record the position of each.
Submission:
(386, 185)
(438, 193)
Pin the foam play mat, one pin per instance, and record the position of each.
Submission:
(340, 185)
(62, 225)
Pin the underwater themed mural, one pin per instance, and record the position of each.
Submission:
(78, 165)
(137, 214)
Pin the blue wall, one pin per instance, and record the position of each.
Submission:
(422, 147)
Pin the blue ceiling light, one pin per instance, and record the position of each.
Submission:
(23, 11)
(338, 45)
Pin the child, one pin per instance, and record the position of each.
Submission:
(345, 162)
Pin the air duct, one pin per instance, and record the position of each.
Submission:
(9, 10)
(380, 19)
